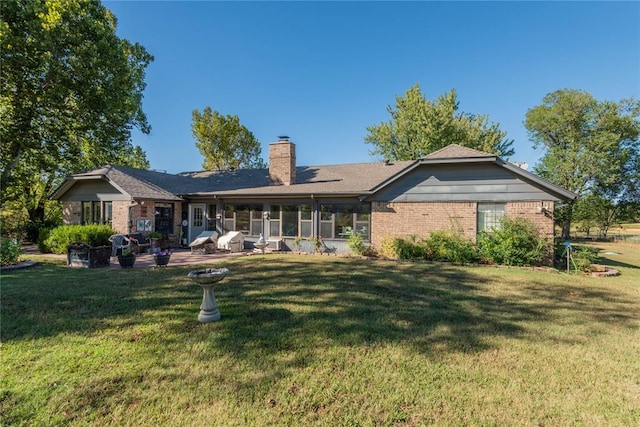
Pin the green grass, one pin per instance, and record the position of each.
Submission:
(322, 340)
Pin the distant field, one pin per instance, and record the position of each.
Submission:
(317, 340)
(625, 232)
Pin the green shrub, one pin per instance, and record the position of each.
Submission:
(447, 245)
(581, 257)
(405, 249)
(10, 251)
(387, 248)
(93, 235)
(443, 245)
(357, 245)
(43, 235)
(517, 242)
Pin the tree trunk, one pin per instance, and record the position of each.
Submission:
(566, 220)
(566, 229)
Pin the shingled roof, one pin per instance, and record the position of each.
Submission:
(137, 183)
(455, 151)
(356, 178)
(359, 179)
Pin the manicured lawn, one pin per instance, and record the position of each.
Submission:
(322, 340)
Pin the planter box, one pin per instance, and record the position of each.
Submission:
(85, 256)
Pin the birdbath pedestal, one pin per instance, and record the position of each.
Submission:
(260, 244)
(206, 279)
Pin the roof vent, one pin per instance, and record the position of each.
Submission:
(522, 165)
(283, 138)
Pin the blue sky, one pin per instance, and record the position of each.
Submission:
(321, 72)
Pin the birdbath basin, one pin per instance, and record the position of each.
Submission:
(206, 279)
(260, 246)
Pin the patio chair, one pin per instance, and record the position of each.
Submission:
(119, 242)
(205, 243)
(138, 243)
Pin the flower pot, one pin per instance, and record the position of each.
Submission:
(155, 245)
(161, 260)
(126, 261)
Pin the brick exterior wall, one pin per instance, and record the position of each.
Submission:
(531, 211)
(120, 221)
(282, 163)
(72, 214)
(422, 218)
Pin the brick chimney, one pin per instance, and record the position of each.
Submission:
(282, 162)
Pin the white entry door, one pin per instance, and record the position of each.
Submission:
(197, 220)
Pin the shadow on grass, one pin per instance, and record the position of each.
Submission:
(289, 304)
(430, 308)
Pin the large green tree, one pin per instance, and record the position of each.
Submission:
(419, 126)
(70, 95)
(590, 147)
(224, 142)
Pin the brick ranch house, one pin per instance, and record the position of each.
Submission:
(455, 187)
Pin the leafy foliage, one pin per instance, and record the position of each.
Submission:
(596, 210)
(447, 245)
(356, 244)
(9, 251)
(92, 234)
(418, 127)
(517, 242)
(224, 142)
(591, 147)
(581, 257)
(442, 245)
(71, 92)
(43, 235)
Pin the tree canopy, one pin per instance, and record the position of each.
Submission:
(590, 146)
(419, 126)
(224, 142)
(70, 94)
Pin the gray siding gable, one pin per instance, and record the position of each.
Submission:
(93, 190)
(462, 182)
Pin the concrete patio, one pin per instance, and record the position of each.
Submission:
(179, 257)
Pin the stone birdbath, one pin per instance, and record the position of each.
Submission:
(206, 279)
(260, 244)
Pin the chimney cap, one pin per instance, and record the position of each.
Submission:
(283, 138)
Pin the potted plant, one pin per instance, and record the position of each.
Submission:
(162, 257)
(127, 258)
(154, 238)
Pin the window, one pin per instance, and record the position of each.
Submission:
(489, 216)
(290, 220)
(164, 218)
(245, 218)
(107, 208)
(96, 213)
(340, 220)
(86, 213)
(274, 222)
(198, 217)
(211, 217)
(306, 221)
